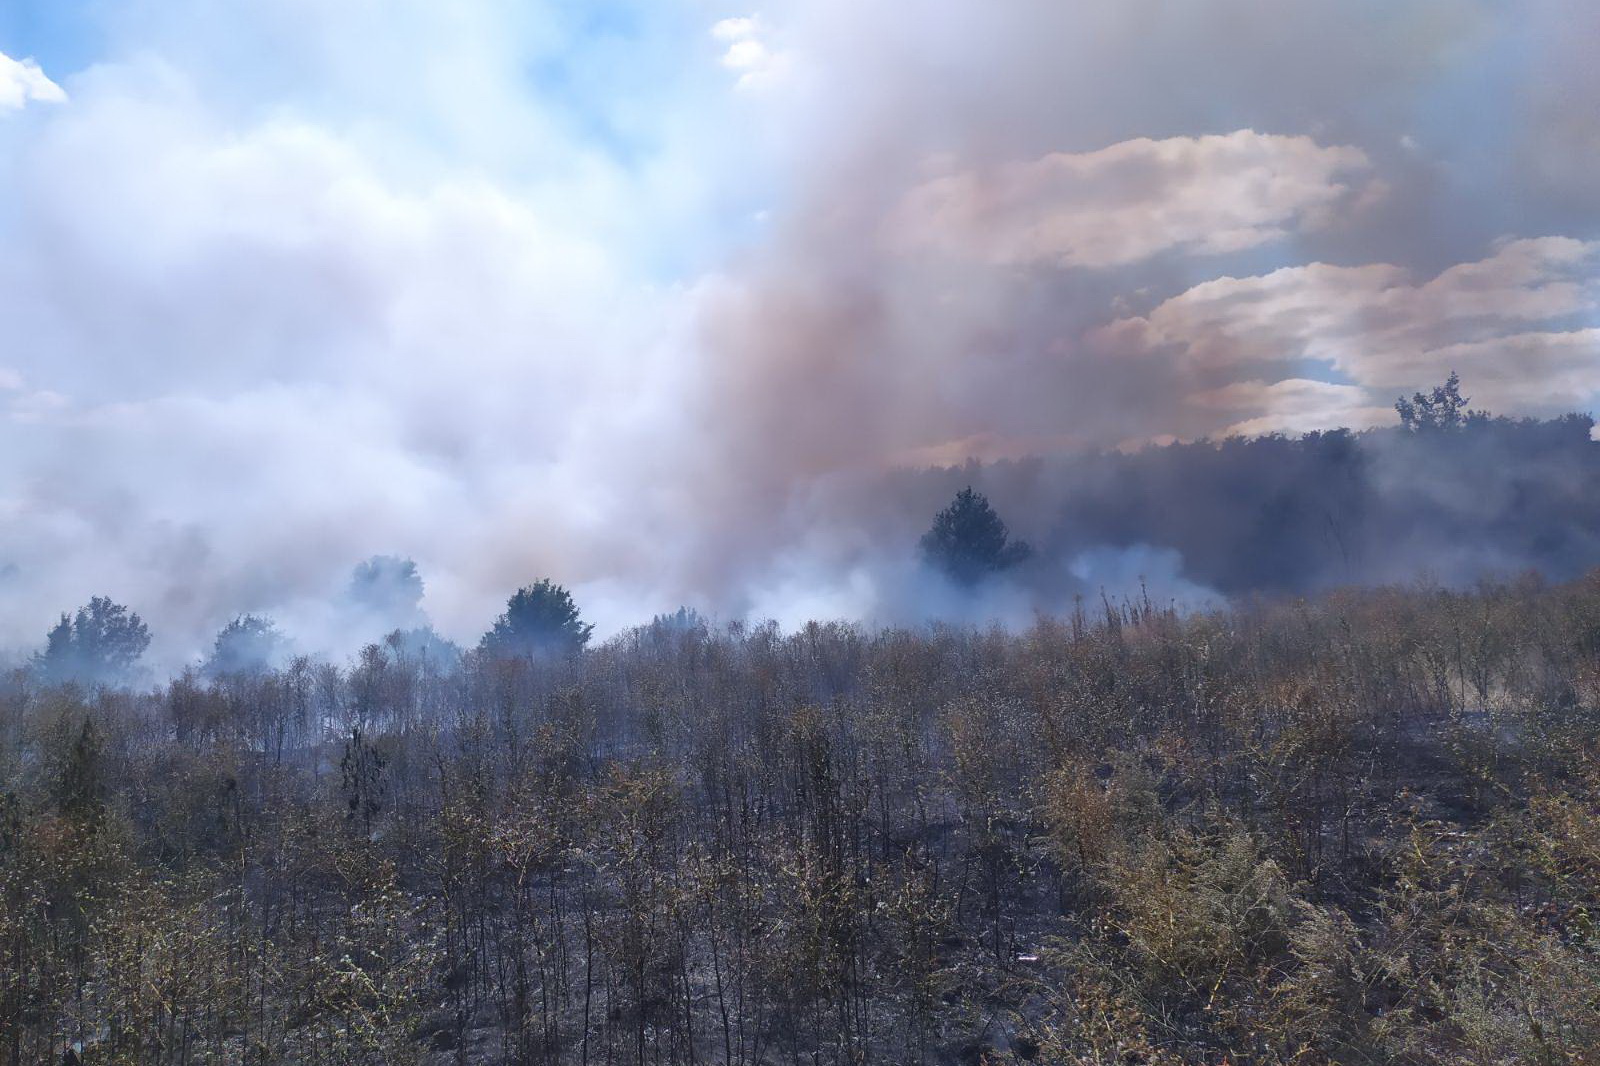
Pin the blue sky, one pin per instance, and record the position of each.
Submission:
(61, 34)
(499, 285)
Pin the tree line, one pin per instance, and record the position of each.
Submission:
(103, 641)
(1450, 490)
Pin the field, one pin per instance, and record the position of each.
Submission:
(1360, 828)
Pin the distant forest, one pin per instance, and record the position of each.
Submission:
(1273, 514)
(1450, 495)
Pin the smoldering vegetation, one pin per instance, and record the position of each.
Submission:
(1359, 828)
(1320, 788)
(1276, 514)
(1194, 524)
(1191, 524)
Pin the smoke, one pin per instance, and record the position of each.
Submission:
(654, 299)
(390, 591)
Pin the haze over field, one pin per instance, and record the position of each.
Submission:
(864, 533)
(651, 296)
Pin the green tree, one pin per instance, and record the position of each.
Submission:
(969, 542)
(249, 644)
(99, 644)
(80, 784)
(390, 588)
(1443, 409)
(539, 620)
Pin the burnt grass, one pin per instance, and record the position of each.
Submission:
(1355, 828)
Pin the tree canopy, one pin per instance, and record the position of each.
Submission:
(540, 619)
(390, 588)
(248, 644)
(969, 542)
(99, 643)
(1444, 408)
(423, 644)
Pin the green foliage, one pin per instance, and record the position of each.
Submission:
(969, 542)
(1441, 410)
(539, 620)
(247, 645)
(99, 644)
(80, 781)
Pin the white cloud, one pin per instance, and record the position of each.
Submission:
(736, 29)
(1523, 372)
(22, 81)
(1519, 325)
(1369, 321)
(746, 56)
(1294, 405)
(1133, 200)
(748, 53)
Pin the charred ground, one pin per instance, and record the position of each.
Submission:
(1353, 829)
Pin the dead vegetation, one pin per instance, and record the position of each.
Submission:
(1359, 829)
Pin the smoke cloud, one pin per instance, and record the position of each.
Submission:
(655, 299)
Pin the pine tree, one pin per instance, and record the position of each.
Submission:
(539, 620)
(969, 542)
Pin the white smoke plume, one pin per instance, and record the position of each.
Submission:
(650, 297)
